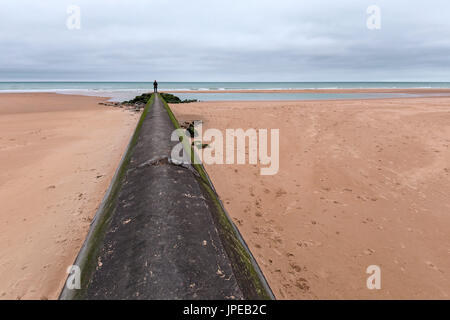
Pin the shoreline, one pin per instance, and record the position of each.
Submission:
(337, 91)
(118, 95)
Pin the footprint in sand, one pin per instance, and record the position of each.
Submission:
(276, 240)
(290, 255)
(432, 266)
(369, 252)
(302, 284)
(280, 192)
(295, 267)
(308, 243)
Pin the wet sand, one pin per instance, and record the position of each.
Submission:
(58, 154)
(361, 182)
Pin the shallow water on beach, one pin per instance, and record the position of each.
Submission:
(288, 96)
(120, 91)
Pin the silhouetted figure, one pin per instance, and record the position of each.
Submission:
(155, 87)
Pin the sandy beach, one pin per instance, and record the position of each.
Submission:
(361, 182)
(58, 154)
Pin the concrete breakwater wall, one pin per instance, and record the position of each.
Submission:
(161, 231)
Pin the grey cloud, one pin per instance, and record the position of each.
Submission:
(225, 40)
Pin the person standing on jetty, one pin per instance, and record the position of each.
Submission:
(155, 87)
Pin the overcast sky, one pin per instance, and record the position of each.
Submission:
(225, 40)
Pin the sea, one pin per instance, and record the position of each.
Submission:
(121, 91)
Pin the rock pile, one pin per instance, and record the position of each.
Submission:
(136, 107)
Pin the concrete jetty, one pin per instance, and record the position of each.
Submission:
(162, 232)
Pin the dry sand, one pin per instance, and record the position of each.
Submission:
(361, 182)
(58, 154)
